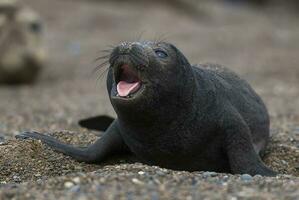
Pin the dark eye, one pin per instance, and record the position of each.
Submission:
(161, 54)
(35, 27)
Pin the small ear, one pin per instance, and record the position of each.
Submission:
(99, 123)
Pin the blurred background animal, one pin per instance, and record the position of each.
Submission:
(22, 53)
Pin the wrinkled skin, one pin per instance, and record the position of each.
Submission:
(182, 117)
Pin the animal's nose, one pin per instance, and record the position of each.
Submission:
(124, 49)
(136, 47)
(127, 48)
(133, 53)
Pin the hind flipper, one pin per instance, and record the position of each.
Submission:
(242, 156)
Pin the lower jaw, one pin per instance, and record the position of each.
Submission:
(130, 97)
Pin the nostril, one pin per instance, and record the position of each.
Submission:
(124, 49)
(127, 48)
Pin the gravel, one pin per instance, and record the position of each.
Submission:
(261, 46)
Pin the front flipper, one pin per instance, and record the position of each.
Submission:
(110, 143)
(98, 123)
(242, 157)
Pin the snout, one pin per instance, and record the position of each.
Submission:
(130, 47)
(133, 54)
(129, 61)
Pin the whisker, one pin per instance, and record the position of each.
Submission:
(112, 46)
(156, 37)
(99, 78)
(106, 50)
(102, 57)
(105, 62)
(162, 38)
(100, 66)
(99, 74)
(101, 69)
(139, 36)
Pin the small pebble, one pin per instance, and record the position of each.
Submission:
(154, 196)
(160, 173)
(225, 178)
(189, 198)
(39, 181)
(16, 178)
(2, 140)
(246, 177)
(68, 184)
(75, 189)
(194, 181)
(212, 174)
(76, 180)
(258, 176)
(284, 162)
(136, 181)
(141, 173)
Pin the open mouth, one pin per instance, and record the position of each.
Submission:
(128, 82)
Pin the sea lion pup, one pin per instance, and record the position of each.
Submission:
(22, 53)
(177, 116)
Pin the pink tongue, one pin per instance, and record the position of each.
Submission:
(124, 88)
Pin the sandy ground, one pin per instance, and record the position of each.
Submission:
(262, 46)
